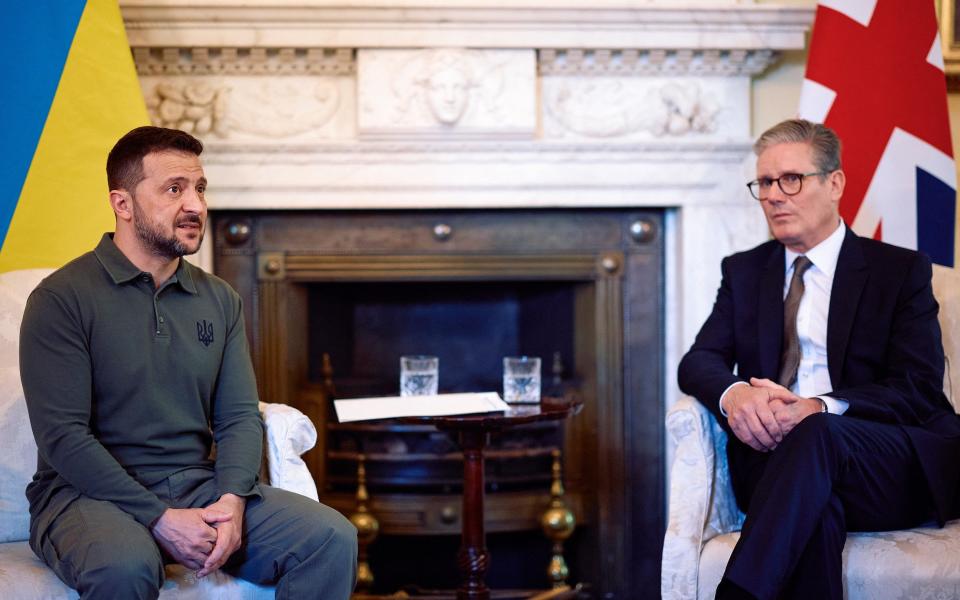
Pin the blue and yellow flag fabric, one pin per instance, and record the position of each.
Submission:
(70, 92)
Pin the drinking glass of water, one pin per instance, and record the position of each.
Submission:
(419, 375)
(521, 379)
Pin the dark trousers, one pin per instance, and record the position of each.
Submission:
(306, 549)
(830, 475)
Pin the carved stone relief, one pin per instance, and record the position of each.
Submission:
(246, 108)
(195, 107)
(607, 107)
(446, 92)
(284, 107)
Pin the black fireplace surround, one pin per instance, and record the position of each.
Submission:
(581, 288)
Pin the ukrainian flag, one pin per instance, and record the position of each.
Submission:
(70, 91)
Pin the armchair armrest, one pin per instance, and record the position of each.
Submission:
(289, 433)
(701, 504)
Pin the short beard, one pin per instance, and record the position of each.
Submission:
(155, 241)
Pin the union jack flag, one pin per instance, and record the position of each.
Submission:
(875, 75)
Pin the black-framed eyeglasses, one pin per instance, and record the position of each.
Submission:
(789, 183)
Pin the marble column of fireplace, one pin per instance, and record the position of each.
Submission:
(464, 104)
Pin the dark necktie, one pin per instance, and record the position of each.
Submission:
(790, 353)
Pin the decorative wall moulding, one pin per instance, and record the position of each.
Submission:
(550, 61)
(614, 108)
(476, 23)
(449, 92)
(250, 109)
(243, 61)
(676, 62)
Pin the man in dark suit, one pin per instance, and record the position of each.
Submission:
(823, 362)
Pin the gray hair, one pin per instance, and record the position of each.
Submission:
(822, 139)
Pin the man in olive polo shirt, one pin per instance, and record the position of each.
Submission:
(134, 363)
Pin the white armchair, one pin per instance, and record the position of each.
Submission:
(703, 521)
(22, 575)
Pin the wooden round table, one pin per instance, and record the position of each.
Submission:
(472, 433)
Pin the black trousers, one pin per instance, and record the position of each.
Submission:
(830, 475)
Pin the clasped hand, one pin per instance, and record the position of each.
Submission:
(763, 413)
(202, 539)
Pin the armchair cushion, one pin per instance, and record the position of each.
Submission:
(19, 458)
(701, 501)
(17, 448)
(911, 564)
(289, 434)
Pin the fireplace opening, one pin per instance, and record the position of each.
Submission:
(365, 287)
(469, 326)
(364, 328)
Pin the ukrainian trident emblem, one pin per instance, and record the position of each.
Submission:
(205, 332)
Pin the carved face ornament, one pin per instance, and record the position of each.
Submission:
(447, 94)
(446, 80)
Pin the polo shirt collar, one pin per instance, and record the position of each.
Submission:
(121, 270)
(184, 276)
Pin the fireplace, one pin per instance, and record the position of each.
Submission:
(340, 186)
(583, 289)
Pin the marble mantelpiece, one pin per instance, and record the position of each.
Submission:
(465, 104)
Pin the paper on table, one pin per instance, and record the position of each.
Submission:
(366, 409)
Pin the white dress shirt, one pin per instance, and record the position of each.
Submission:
(813, 376)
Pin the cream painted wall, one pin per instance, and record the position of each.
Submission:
(776, 92)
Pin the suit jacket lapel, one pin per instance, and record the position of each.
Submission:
(848, 282)
(770, 314)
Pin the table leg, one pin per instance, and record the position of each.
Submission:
(473, 558)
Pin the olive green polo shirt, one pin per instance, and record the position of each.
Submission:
(127, 384)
